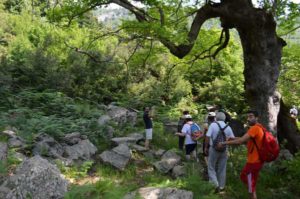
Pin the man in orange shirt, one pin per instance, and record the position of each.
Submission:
(249, 174)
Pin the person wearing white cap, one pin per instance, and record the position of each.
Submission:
(180, 124)
(210, 118)
(217, 159)
(190, 144)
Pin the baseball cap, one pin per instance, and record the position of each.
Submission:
(188, 117)
(212, 114)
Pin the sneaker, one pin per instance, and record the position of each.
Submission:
(222, 190)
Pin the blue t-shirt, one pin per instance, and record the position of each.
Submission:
(147, 120)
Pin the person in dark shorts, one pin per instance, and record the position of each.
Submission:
(190, 144)
(148, 126)
(181, 123)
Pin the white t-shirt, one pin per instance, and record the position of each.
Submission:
(213, 131)
(186, 130)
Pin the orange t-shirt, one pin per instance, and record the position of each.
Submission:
(257, 133)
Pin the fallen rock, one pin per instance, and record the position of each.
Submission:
(123, 140)
(159, 152)
(36, 178)
(103, 120)
(164, 193)
(168, 161)
(3, 151)
(117, 157)
(122, 115)
(16, 142)
(178, 171)
(83, 150)
(73, 138)
(137, 136)
(47, 146)
(122, 150)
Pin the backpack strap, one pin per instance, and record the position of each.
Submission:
(221, 129)
(253, 139)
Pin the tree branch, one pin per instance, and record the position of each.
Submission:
(204, 13)
(227, 37)
(92, 57)
(290, 31)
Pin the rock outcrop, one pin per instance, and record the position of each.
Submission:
(36, 178)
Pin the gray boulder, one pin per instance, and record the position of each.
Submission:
(47, 146)
(159, 153)
(3, 151)
(137, 136)
(168, 161)
(83, 150)
(164, 193)
(103, 120)
(38, 179)
(123, 140)
(122, 115)
(16, 142)
(178, 171)
(132, 138)
(117, 157)
(73, 138)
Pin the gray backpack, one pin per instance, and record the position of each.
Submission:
(221, 137)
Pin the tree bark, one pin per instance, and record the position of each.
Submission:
(262, 59)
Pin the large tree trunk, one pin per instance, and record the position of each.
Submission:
(262, 59)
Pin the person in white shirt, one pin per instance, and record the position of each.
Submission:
(190, 144)
(217, 160)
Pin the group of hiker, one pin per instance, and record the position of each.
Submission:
(216, 136)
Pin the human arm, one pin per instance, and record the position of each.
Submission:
(180, 134)
(238, 140)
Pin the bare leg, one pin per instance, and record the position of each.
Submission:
(252, 195)
(147, 142)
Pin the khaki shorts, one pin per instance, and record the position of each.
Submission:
(148, 134)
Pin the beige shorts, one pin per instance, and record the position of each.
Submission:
(148, 134)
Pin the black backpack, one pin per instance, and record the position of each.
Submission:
(221, 137)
